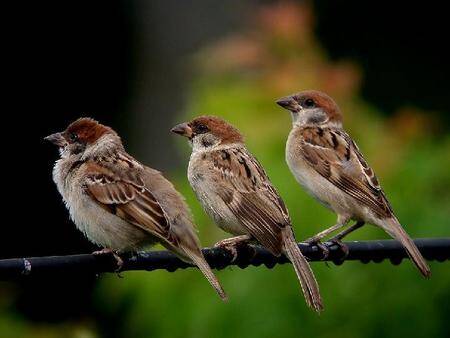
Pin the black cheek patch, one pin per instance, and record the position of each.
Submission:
(206, 143)
(317, 118)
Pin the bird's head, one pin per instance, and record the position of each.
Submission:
(85, 137)
(312, 107)
(209, 132)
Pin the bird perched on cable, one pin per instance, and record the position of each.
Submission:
(235, 191)
(328, 164)
(117, 202)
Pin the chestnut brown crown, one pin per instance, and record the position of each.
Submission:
(218, 127)
(86, 130)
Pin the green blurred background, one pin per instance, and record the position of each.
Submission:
(234, 60)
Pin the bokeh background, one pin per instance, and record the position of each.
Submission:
(143, 66)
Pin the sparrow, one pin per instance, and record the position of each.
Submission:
(119, 203)
(328, 165)
(236, 193)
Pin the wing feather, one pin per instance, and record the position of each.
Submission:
(250, 196)
(120, 189)
(334, 155)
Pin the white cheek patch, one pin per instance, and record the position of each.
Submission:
(64, 152)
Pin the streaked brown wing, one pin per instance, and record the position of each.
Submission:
(119, 188)
(250, 196)
(334, 155)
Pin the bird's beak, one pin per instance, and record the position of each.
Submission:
(285, 102)
(183, 129)
(57, 139)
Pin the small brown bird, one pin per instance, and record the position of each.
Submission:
(328, 164)
(118, 203)
(235, 191)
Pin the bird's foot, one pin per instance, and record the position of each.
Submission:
(107, 251)
(314, 241)
(342, 247)
(231, 245)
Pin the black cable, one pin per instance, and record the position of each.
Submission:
(365, 251)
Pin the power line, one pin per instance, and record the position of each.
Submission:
(365, 251)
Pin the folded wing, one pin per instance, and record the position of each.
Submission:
(250, 196)
(334, 155)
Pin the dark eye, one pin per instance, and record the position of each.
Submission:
(201, 129)
(73, 137)
(309, 103)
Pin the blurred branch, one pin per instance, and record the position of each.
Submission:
(364, 251)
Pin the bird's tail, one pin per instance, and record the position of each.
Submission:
(304, 273)
(394, 228)
(198, 259)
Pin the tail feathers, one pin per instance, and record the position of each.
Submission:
(304, 273)
(199, 260)
(393, 228)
